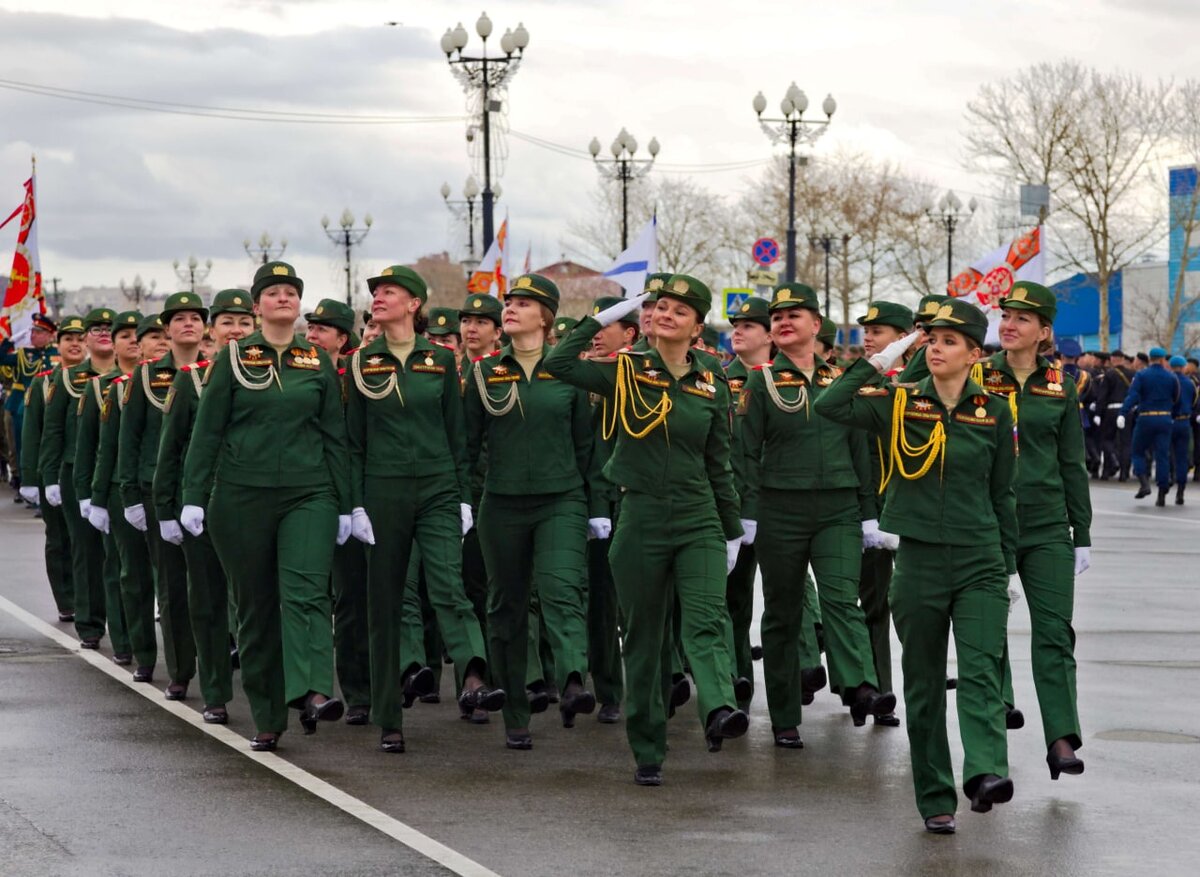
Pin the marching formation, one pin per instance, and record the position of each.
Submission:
(574, 512)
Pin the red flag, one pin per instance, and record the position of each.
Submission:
(23, 298)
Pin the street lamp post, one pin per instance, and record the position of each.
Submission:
(828, 243)
(486, 75)
(794, 130)
(137, 292)
(347, 237)
(465, 209)
(192, 273)
(948, 212)
(265, 251)
(624, 168)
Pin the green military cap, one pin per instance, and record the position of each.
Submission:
(962, 316)
(127, 320)
(710, 337)
(331, 312)
(99, 317)
(443, 321)
(179, 302)
(794, 295)
(563, 325)
(607, 301)
(231, 301)
(150, 323)
(654, 284)
(353, 341)
(828, 333)
(537, 287)
(1028, 296)
(753, 310)
(688, 290)
(887, 313)
(928, 306)
(404, 277)
(481, 304)
(71, 325)
(272, 273)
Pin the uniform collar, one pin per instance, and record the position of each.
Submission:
(782, 363)
(925, 389)
(380, 346)
(507, 352)
(693, 364)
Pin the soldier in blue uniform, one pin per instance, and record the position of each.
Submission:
(1155, 393)
(1181, 427)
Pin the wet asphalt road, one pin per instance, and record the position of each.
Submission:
(95, 779)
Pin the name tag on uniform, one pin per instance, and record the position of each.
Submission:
(428, 368)
(697, 391)
(872, 391)
(545, 376)
(1049, 392)
(973, 420)
(502, 379)
(652, 380)
(162, 380)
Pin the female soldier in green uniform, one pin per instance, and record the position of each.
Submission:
(671, 464)
(1054, 510)
(409, 479)
(952, 506)
(267, 464)
(533, 516)
(812, 478)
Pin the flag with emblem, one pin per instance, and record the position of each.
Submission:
(491, 276)
(989, 279)
(23, 298)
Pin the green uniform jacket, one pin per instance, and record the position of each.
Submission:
(800, 451)
(542, 445)
(87, 432)
(968, 498)
(290, 433)
(688, 455)
(104, 476)
(31, 428)
(178, 418)
(416, 429)
(916, 370)
(59, 423)
(1052, 479)
(141, 423)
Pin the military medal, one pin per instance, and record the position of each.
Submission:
(429, 360)
(981, 411)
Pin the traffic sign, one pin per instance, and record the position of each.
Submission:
(765, 251)
(762, 278)
(734, 299)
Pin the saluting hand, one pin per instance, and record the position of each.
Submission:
(892, 354)
(610, 315)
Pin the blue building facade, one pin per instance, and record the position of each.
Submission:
(1079, 310)
(1183, 201)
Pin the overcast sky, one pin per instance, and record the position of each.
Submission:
(125, 191)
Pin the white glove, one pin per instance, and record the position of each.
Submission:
(171, 532)
(1120, 421)
(1014, 593)
(1083, 560)
(1197, 420)
(98, 518)
(599, 528)
(1092, 406)
(890, 355)
(890, 541)
(1096, 420)
(32, 494)
(191, 518)
(53, 495)
(468, 519)
(360, 526)
(345, 528)
(749, 531)
(136, 516)
(85, 506)
(732, 547)
(613, 314)
(871, 534)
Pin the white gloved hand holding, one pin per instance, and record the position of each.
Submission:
(599, 528)
(1120, 421)
(360, 526)
(749, 531)
(468, 519)
(616, 312)
(890, 355)
(344, 529)
(1083, 560)
(54, 495)
(98, 518)
(890, 541)
(31, 495)
(136, 516)
(191, 518)
(1096, 420)
(732, 547)
(85, 505)
(871, 534)
(171, 532)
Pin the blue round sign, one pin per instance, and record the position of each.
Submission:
(766, 251)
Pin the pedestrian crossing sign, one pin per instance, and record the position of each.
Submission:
(734, 299)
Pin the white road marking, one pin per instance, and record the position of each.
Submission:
(1150, 516)
(360, 810)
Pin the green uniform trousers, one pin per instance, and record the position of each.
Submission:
(118, 622)
(171, 591)
(534, 543)
(208, 614)
(739, 597)
(59, 566)
(474, 575)
(350, 630)
(87, 562)
(604, 641)
(874, 581)
(663, 547)
(423, 511)
(820, 527)
(421, 640)
(810, 642)
(137, 588)
(933, 587)
(277, 546)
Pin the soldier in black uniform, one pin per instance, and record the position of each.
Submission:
(1088, 385)
(1110, 393)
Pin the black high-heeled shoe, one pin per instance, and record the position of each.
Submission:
(392, 741)
(417, 684)
(724, 724)
(648, 775)
(941, 824)
(991, 789)
(576, 700)
(482, 698)
(787, 738)
(873, 703)
(743, 689)
(681, 693)
(265, 742)
(329, 711)
(1014, 719)
(1060, 764)
(521, 740)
